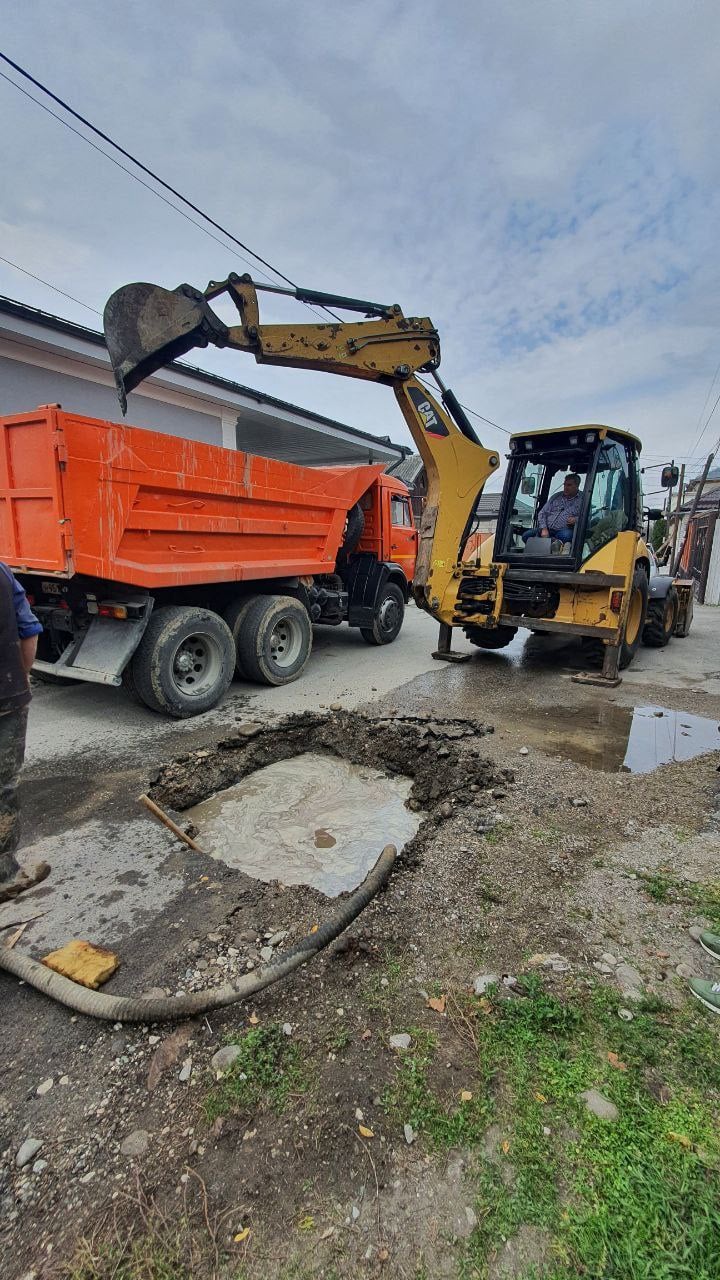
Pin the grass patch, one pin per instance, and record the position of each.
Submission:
(269, 1072)
(411, 1099)
(381, 987)
(704, 897)
(637, 1199)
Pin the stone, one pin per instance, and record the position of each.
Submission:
(483, 981)
(277, 938)
(446, 809)
(27, 1151)
(136, 1143)
(599, 1105)
(201, 965)
(45, 1087)
(579, 802)
(602, 968)
(287, 1029)
(400, 1042)
(336, 706)
(40, 1166)
(608, 958)
(266, 954)
(695, 931)
(683, 970)
(629, 982)
(185, 1071)
(224, 1058)
(524, 751)
(626, 1015)
(410, 1134)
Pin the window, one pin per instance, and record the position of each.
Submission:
(400, 511)
(609, 512)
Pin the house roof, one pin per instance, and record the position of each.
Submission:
(408, 469)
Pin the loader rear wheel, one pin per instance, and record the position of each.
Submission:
(275, 640)
(235, 615)
(389, 614)
(660, 621)
(184, 662)
(490, 637)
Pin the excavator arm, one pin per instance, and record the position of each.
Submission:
(146, 327)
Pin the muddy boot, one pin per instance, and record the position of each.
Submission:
(17, 881)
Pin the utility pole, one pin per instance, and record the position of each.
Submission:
(678, 504)
(693, 509)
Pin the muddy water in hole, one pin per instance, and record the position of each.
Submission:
(313, 820)
(615, 739)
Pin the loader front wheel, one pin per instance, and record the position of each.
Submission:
(490, 637)
(635, 620)
(275, 640)
(184, 662)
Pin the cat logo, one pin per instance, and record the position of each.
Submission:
(433, 425)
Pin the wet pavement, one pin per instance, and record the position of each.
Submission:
(614, 738)
(310, 820)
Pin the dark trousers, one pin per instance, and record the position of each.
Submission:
(13, 725)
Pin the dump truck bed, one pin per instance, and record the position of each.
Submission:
(82, 496)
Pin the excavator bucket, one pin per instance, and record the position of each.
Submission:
(146, 327)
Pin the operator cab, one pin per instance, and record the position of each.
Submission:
(595, 469)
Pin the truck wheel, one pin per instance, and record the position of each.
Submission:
(275, 640)
(389, 614)
(660, 621)
(184, 662)
(490, 637)
(235, 615)
(635, 620)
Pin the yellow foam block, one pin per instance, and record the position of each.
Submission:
(83, 962)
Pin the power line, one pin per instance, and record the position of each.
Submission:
(134, 160)
(144, 168)
(47, 284)
(161, 182)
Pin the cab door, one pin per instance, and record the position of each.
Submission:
(403, 534)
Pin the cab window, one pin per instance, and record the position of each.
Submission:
(610, 501)
(400, 511)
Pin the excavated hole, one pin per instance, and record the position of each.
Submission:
(314, 798)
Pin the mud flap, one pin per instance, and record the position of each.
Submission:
(99, 654)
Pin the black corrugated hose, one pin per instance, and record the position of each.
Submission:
(97, 1004)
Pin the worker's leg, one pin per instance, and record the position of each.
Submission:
(12, 753)
(563, 535)
(530, 533)
(13, 880)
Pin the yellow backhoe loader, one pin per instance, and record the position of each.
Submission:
(591, 578)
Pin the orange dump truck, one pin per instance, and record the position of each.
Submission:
(168, 564)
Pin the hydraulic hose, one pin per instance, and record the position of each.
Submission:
(97, 1004)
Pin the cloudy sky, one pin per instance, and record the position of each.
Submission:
(540, 177)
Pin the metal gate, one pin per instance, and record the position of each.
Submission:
(700, 541)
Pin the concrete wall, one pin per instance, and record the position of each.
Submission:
(24, 386)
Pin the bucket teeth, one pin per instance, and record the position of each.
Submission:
(146, 327)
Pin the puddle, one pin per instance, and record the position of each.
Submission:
(621, 739)
(313, 820)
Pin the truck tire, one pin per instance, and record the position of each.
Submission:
(275, 640)
(660, 621)
(184, 662)
(635, 620)
(389, 614)
(490, 637)
(235, 615)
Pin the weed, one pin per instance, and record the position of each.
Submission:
(268, 1072)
